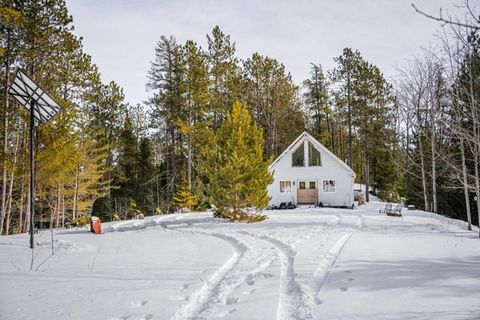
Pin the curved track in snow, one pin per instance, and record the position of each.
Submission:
(292, 302)
(252, 256)
(321, 273)
(201, 299)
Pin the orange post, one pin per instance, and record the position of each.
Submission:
(96, 225)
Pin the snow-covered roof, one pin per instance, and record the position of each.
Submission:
(306, 136)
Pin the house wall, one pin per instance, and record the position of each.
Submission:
(331, 169)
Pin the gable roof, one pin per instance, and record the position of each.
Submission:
(306, 136)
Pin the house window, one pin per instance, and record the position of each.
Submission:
(328, 185)
(313, 156)
(312, 185)
(298, 157)
(301, 185)
(285, 186)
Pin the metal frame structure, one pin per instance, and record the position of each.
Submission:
(42, 108)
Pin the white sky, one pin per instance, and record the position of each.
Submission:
(121, 35)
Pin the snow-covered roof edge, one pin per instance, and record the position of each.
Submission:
(308, 136)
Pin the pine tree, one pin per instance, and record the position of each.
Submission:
(125, 179)
(166, 78)
(145, 177)
(195, 118)
(346, 75)
(183, 197)
(237, 173)
(226, 84)
(361, 89)
(316, 99)
(76, 148)
(271, 96)
(12, 23)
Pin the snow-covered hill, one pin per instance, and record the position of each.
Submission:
(318, 263)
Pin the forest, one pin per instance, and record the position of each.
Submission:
(414, 138)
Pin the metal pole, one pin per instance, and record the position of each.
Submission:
(32, 172)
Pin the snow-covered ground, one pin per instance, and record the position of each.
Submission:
(317, 263)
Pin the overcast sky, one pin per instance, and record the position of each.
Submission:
(121, 35)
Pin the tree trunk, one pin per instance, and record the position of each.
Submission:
(27, 221)
(476, 156)
(367, 194)
(189, 146)
(75, 193)
(5, 144)
(173, 160)
(329, 132)
(422, 159)
(9, 201)
(350, 157)
(158, 190)
(57, 215)
(434, 170)
(63, 210)
(476, 137)
(465, 185)
(10, 187)
(424, 179)
(20, 218)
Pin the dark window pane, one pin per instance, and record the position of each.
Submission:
(301, 185)
(298, 157)
(313, 156)
(311, 185)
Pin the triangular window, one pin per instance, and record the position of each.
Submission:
(298, 157)
(314, 158)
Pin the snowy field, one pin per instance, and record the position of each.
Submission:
(299, 264)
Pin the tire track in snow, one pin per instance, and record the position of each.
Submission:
(247, 269)
(245, 272)
(323, 269)
(163, 221)
(209, 293)
(293, 300)
(225, 279)
(201, 299)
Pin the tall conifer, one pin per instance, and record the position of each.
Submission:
(238, 174)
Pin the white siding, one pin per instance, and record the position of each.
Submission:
(331, 169)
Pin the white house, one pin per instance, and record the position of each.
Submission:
(308, 173)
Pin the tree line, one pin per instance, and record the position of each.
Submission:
(74, 151)
(438, 98)
(104, 156)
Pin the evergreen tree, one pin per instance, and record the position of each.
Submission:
(91, 170)
(166, 78)
(125, 179)
(183, 197)
(345, 77)
(195, 117)
(145, 177)
(75, 150)
(226, 84)
(360, 88)
(316, 100)
(272, 97)
(237, 173)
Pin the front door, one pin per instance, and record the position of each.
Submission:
(307, 192)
